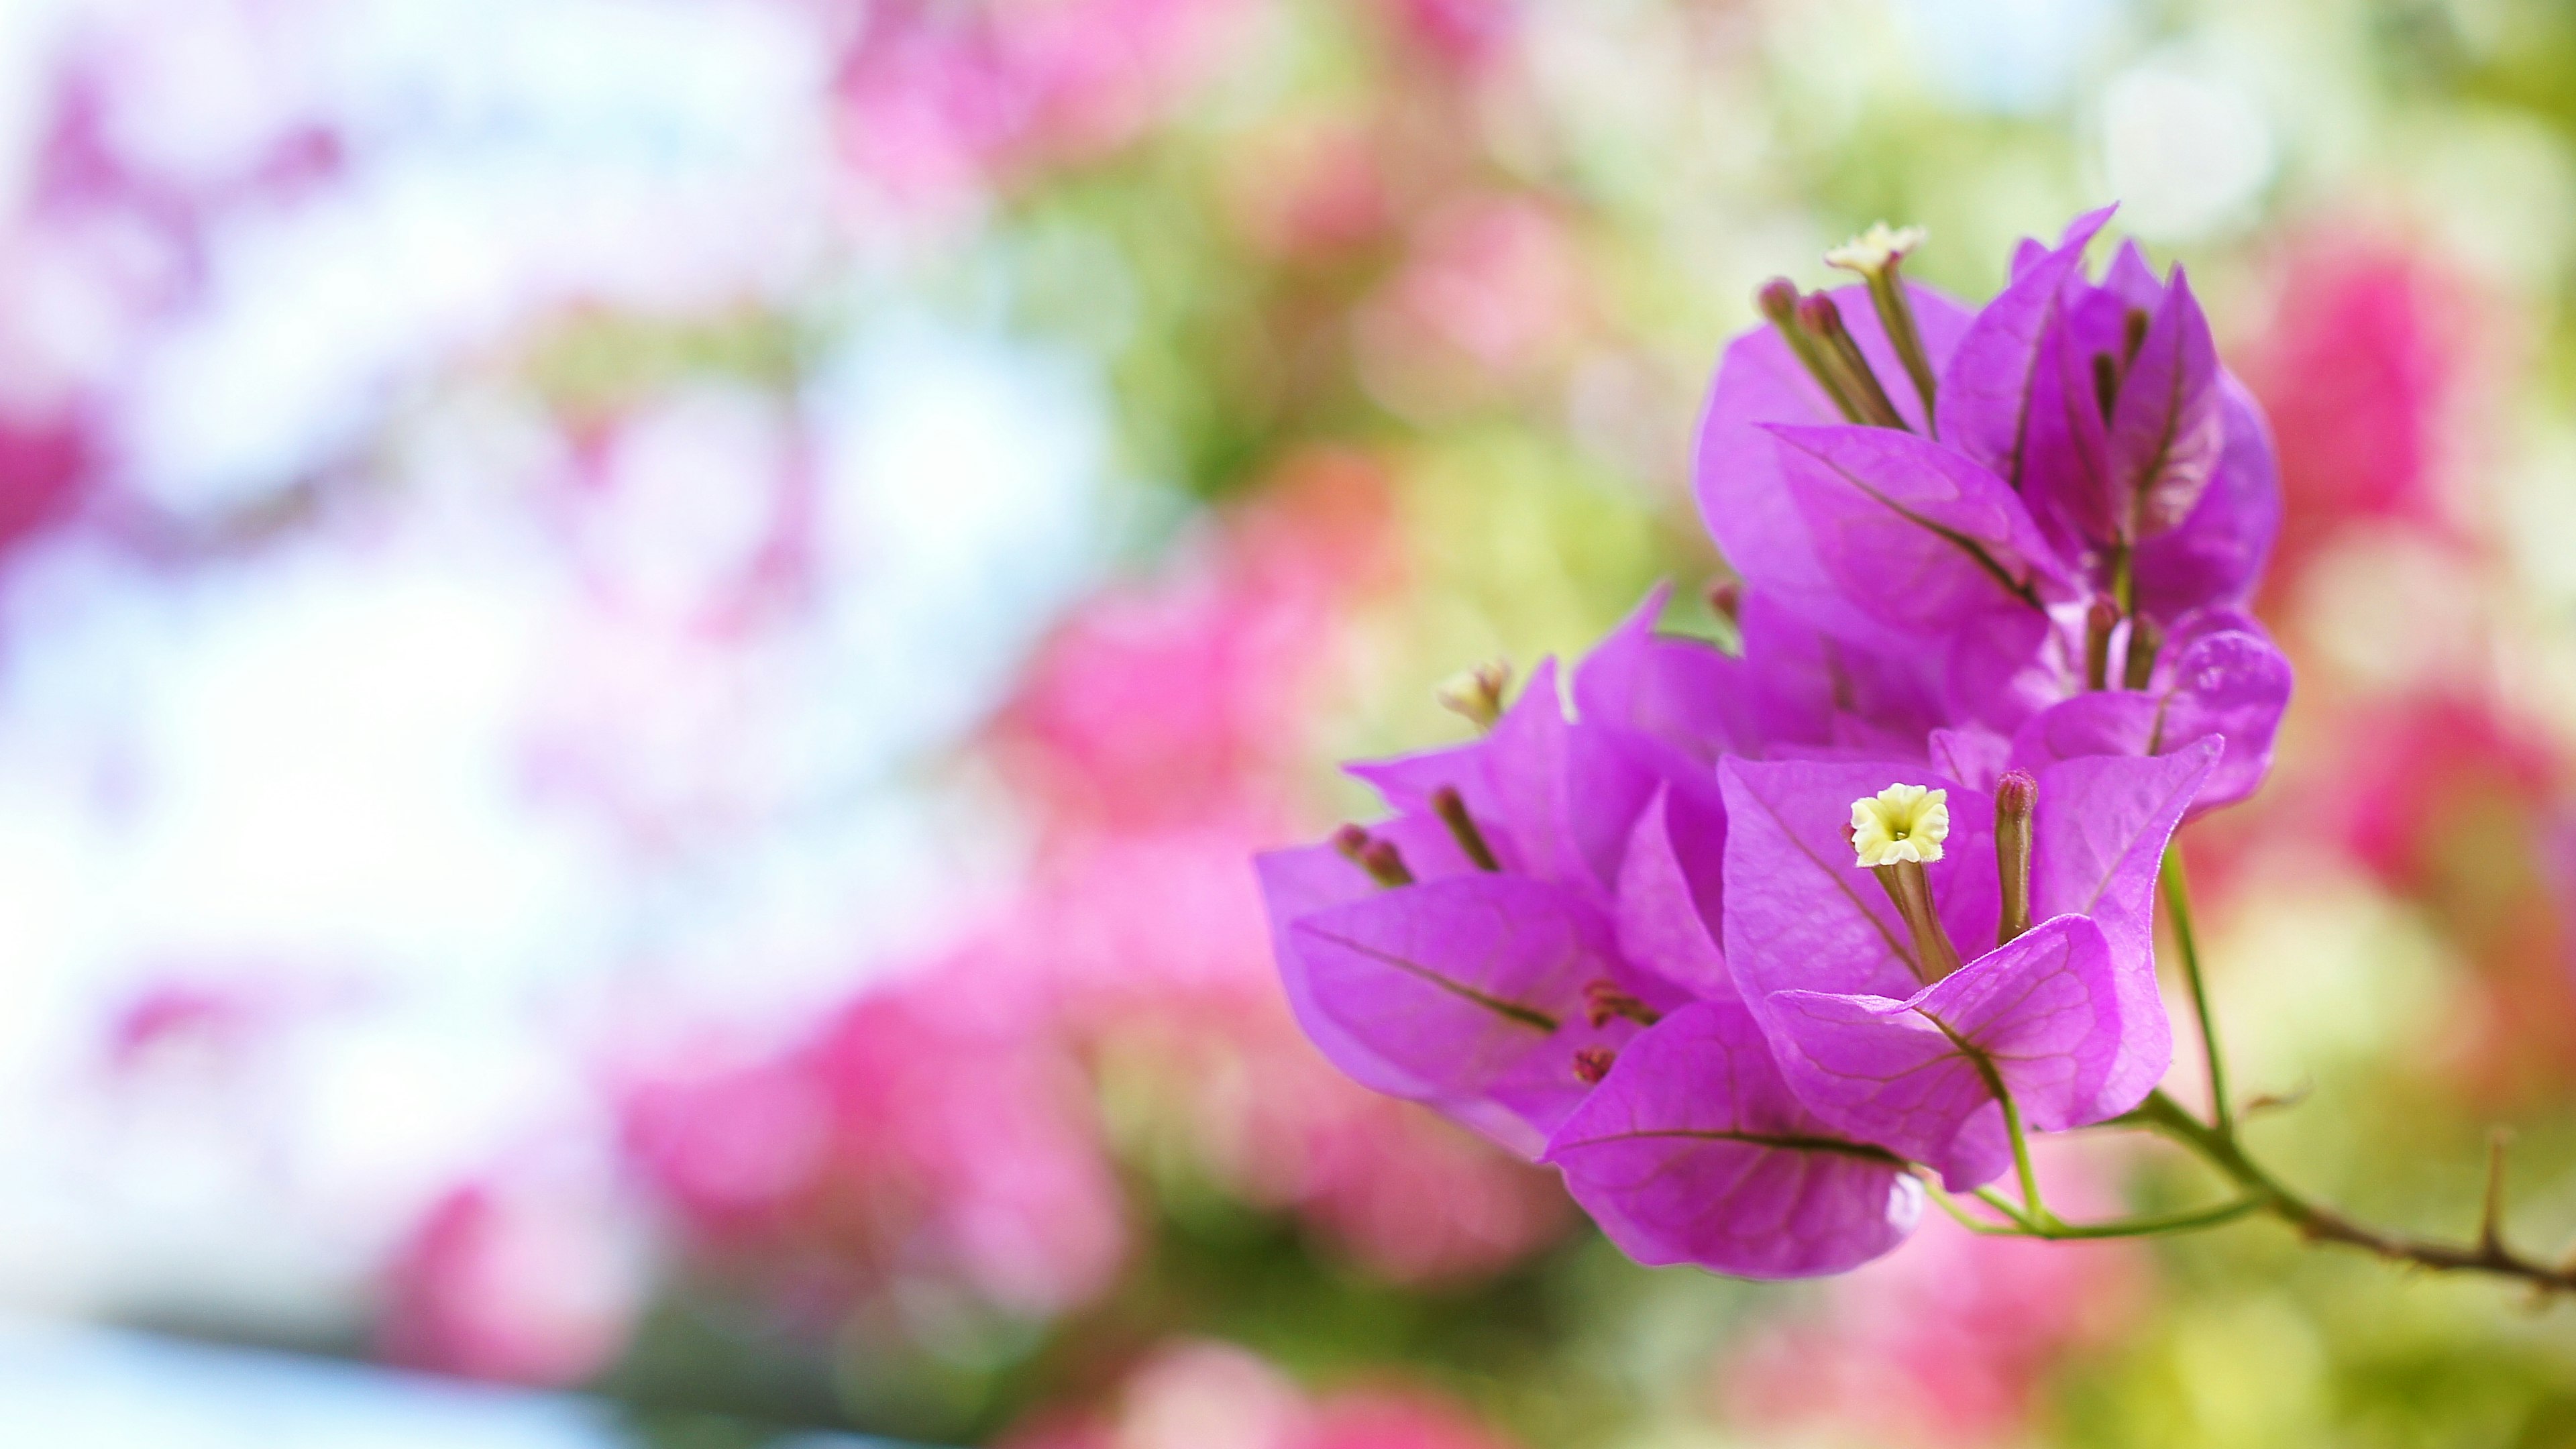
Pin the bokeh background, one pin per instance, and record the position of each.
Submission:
(641, 642)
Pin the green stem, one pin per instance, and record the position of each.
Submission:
(2021, 1225)
(2178, 907)
(2022, 1168)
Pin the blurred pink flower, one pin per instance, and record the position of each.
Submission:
(2424, 782)
(1189, 696)
(1494, 292)
(1215, 1396)
(937, 99)
(1465, 33)
(1947, 1342)
(1157, 951)
(929, 1129)
(509, 1281)
(2362, 371)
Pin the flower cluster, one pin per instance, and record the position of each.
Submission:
(1757, 941)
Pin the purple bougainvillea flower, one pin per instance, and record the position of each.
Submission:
(1872, 1035)
(1542, 892)
(2218, 675)
(1474, 994)
(1694, 1150)
(1742, 493)
(2104, 406)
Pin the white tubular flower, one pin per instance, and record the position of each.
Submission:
(1901, 822)
(1870, 252)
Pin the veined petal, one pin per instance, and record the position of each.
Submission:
(1693, 1150)
(1463, 993)
(1986, 388)
(2042, 1017)
(2228, 682)
(1812, 689)
(1669, 902)
(2215, 556)
(1684, 692)
(2168, 428)
(1918, 535)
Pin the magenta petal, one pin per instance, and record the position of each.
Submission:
(1916, 534)
(1810, 688)
(1668, 906)
(1684, 692)
(2168, 427)
(1800, 913)
(1738, 476)
(1465, 993)
(2055, 1019)
(2008, 666)
(1693, 1150)
(2044, 1015)
(2100, 832)
(2231, 683)
(1974, 757)
(2131, 280)
(2215, 557)
(1986, 390)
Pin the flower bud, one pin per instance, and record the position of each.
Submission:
(2016, 797)
(1726, 600)
(1452, 810)
(2099, 621)
(2145, 639)
(1818, 314)
(1778, 299)
(1385, 864)
(1607, 999)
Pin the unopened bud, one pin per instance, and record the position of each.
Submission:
(2016, 797)
(1477, 693)
(1592, 1063)
(1726, 600)
(1818, 314)
(1452, 810)
(1385, 864)
(2099, 621)
(2145, 641)
(1778, 299)
(1604, 1000)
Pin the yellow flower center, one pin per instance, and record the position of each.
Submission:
(1871, 251)
(1901, 822)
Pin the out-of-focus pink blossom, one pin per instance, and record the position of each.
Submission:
(2361, 371)
(2425, 782)
(509, 1281)
(937, 98)
(927, 1130)
(1494, 291)
(1155, 950)
(1309, 192)
(1178, 699)
(1216, 1396)
(1465, 33)
(1945, 1343)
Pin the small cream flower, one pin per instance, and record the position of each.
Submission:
(1871, 251)
(1901, 822)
